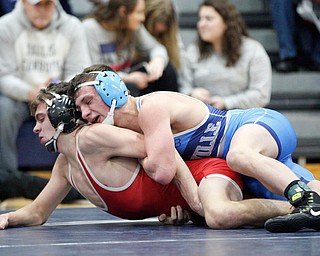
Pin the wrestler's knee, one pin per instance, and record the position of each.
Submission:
(237, 158)
(220, 217)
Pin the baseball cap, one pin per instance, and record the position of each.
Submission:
(34, 2)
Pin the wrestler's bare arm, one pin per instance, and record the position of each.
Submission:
(37, 212)
(163, 163)
(154, 120)
(111, 141)
(187, 185)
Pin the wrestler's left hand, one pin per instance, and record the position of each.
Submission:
(178, 217)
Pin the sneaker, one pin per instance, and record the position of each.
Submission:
(287, 65)
(304, 216)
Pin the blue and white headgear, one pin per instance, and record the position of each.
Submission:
(63, 117)
(111, 89)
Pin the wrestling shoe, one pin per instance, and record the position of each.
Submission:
(307, 215)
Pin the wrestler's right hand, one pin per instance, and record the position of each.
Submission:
(178, 217)
(4, 221)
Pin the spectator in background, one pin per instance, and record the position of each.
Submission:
(66, 6)
(116, 34)
(39, 43)
(309, 10)
(226, 68)
(298, 39)
(8, 5)
(162, 23)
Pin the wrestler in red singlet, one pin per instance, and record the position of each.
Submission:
(142, 197)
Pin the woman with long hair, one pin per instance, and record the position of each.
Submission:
(116, 34)
(226, 68)
(162, 22)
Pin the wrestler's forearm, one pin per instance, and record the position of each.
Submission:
(22, 217)
(187, 185)
(37, 212)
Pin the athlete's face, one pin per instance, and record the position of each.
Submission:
(91, 105)
(43, 126)
(40, 14)
(137, 16)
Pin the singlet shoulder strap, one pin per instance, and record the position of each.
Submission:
(139, 103)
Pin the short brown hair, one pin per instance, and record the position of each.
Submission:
(59, 88)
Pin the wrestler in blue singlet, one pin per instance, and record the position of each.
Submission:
(212, 137)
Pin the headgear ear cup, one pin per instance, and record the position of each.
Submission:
(111, 87)
(63, 117)
(62, 111)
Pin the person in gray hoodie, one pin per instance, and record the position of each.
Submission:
(40, 43)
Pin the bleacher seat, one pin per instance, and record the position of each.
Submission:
(297, 96)
(307, 127)
(295, 91)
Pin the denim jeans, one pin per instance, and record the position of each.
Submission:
(294, 34)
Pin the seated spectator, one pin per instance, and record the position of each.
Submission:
(116, 34)
(39, 43)
(310, 10)
(8, 5)
(226, 68)
(298, 39)
(162, 23)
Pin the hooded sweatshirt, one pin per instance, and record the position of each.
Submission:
(30, 57)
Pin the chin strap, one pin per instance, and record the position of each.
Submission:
(51, 145)
(109, 119)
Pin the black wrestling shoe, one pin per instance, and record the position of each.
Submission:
(306, 215)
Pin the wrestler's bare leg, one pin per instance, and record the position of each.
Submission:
(252, 152)
(224, 209)
(315, 185)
